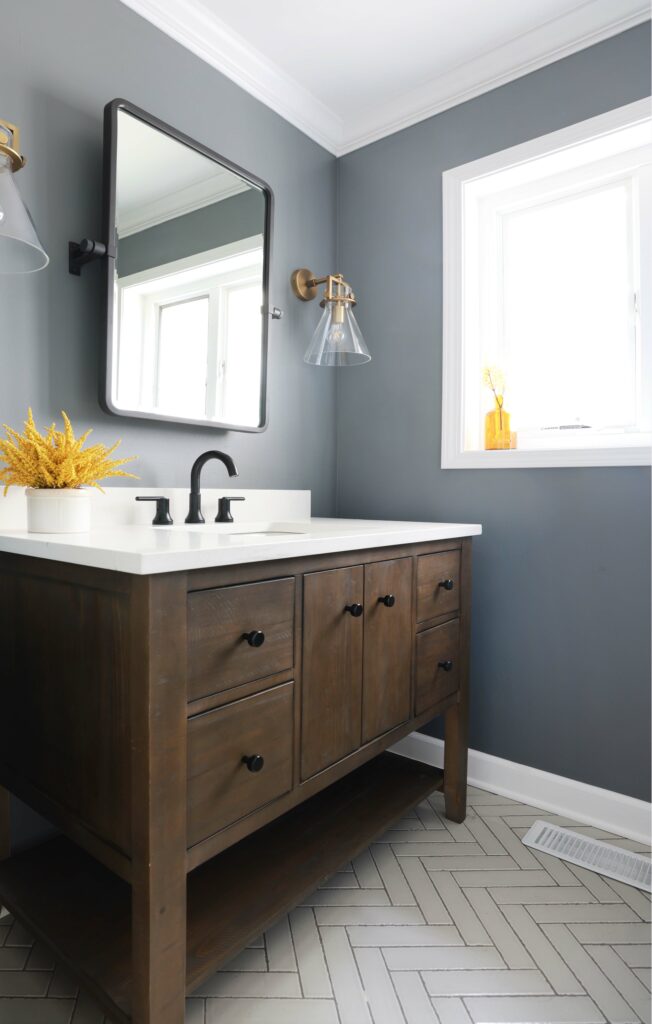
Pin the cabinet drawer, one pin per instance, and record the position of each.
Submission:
(436, 648)
(438, 584)
(221, 788)
(218, 656)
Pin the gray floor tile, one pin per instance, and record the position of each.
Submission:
(313, 971)
(379, 990)
(451, 958)
(468, 983)
(271, 1011)
(543, 952)
(349, 993)
(30, 1011)
(623, 979)
(414, 1000)
(534, 1010)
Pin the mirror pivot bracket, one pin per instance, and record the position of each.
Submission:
(81, 253)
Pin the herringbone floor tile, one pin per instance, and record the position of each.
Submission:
(435, 923)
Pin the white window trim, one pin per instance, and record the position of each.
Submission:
(622, 449)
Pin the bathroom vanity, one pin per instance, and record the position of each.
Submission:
(205, 714)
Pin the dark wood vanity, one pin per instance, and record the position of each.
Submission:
(212, 744)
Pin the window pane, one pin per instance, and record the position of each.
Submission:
(567, 312)
(182, 353)
(242, 355)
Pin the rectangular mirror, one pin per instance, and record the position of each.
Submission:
(188, 244)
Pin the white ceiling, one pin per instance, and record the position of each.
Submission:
(350, 71)
(159, 177)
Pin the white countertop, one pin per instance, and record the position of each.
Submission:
(143, 550)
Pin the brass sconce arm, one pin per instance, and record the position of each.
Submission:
(10, 144)
(305, 286)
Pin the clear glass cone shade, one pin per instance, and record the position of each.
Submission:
(20, 249)
(337, 344)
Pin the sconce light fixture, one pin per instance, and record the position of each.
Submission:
(20, 249)
(338, 339)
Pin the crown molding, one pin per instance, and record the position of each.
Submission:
(189, 23)
(186, 200)
(587, 25)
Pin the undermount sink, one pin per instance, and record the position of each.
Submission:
(227, 530)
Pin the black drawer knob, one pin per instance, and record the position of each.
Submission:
(447, 584)
(355, 610)
(446, 665)
(255, 639)
(388, 600)
(254, 762)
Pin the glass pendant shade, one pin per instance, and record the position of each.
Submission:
(338, 339)
(20, 249)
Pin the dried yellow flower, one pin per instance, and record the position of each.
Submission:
(56, 458)
(494, 379)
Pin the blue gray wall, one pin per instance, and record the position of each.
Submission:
(561, 632)
(240, 216)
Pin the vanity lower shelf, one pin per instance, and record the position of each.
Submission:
(82, 910)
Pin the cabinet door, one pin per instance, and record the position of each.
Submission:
(387, 646)
(332, 667)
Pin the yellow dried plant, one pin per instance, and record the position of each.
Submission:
(56, 458)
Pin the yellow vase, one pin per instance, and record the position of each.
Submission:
(497, 434)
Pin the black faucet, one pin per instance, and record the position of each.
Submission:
(194, 511)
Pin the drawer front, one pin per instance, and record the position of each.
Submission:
(438, 585)
(218, 656)
(388, 640)
(437, 649)
(221, 788)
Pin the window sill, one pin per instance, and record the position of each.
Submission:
(519, 458)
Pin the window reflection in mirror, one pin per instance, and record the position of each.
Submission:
(189, 283)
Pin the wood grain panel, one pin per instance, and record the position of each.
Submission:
(220, 787)
(332, 668)
(388, 642)
(64, 725)
(218, 657)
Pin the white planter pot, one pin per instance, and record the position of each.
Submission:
(58, 510)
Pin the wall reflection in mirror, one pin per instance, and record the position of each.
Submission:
(188, 337)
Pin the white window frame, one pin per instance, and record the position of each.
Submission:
(625, 449)
(213, 285)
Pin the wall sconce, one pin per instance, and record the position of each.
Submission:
(337, 340)
(20, 249)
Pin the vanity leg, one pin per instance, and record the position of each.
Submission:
(158, 674)
(455, 761)
(456, 719)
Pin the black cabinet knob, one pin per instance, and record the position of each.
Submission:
(446, 665)
(254, 762)
(355, 610)
(255, 639)
(388, 600)
(447, 584)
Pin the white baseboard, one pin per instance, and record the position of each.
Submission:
(612, 812)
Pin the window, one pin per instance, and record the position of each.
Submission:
(189, 336)
(548, 277)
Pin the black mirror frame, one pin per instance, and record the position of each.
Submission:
(111, 112)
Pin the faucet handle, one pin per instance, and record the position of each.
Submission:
(224, 510)
(162, 517)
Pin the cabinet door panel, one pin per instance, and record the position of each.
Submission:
(387, 646)
(332, 668)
